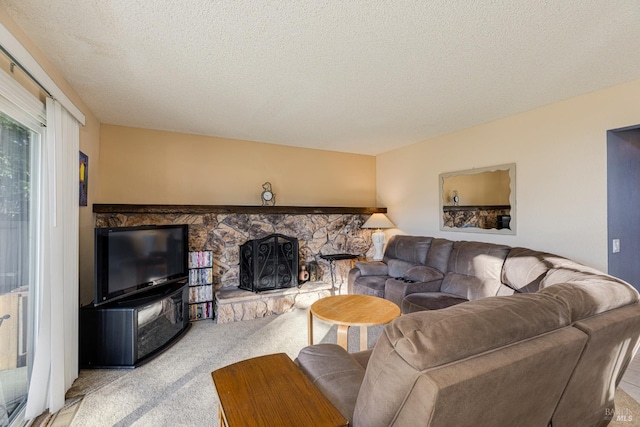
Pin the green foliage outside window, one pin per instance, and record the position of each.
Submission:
(15, 169)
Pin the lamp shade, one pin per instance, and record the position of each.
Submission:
(378, 220)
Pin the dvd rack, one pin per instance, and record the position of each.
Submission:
(200, 285)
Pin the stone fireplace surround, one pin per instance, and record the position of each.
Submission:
(222, 229)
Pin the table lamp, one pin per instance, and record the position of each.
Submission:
(378, 221)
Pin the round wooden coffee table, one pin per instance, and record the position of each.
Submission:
(352, 310)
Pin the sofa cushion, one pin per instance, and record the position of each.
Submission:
(474, 269)
(399, 267)
(407, 248)
(372, 268)
(588, 294)
(440, 367)
(469, 287)
(432, 338)
(524, 269)
(335, 373)
(429, 301)
(574, 273)
(517, 385)
(370, 285)
(439, 253)
(422, 273)
(396, 289)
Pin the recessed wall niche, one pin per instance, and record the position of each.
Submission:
(480, 200)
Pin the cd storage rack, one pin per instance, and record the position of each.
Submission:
(200, 285)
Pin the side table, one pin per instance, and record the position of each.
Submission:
(271, 391)
(352, 310)
(336, 257)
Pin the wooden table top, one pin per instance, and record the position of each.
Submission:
(272, 391)
(355, 310)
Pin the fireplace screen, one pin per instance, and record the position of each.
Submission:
(269, 263)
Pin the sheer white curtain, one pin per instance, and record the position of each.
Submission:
(55, 365)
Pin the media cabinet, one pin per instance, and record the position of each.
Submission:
(130, 332)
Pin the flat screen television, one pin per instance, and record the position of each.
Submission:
(130, 260)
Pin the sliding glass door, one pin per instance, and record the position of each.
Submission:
(19, 148)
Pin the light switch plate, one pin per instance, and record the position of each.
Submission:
(615, 246)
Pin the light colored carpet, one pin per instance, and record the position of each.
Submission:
(627, 413)
(175, 389)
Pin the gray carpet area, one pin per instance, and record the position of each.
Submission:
(627, 412)
(175, 388)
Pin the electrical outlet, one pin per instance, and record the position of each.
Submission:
(615, 246)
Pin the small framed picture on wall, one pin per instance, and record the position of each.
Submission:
(84, 178)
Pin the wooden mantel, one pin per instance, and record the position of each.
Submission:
(230, 209)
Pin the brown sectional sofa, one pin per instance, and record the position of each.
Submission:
(548, 348)
(425, 273)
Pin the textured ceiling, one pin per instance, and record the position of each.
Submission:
(355, 76)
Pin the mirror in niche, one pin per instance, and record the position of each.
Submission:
(481, 200)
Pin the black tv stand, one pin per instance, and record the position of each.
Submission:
(130, 332)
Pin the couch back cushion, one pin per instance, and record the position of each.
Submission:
(524, 269)
(439, 253)
(474, 269)
(433, 338)
(412, 249)
(400, 381)
(587, 294)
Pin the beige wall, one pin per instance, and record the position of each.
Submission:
(149, 167)
(89, 144)
(561, 179)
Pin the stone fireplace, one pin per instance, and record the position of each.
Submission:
(223, 229)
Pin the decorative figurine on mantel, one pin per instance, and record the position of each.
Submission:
(456, 198)
(268, 198)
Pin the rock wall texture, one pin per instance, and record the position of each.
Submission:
(234, 305)
(461, 217)
(224, 233)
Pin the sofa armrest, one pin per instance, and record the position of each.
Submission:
(422, 273)
(335, 373)
(372, 268)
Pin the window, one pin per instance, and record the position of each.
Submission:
(21, 135)
(19, 149)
